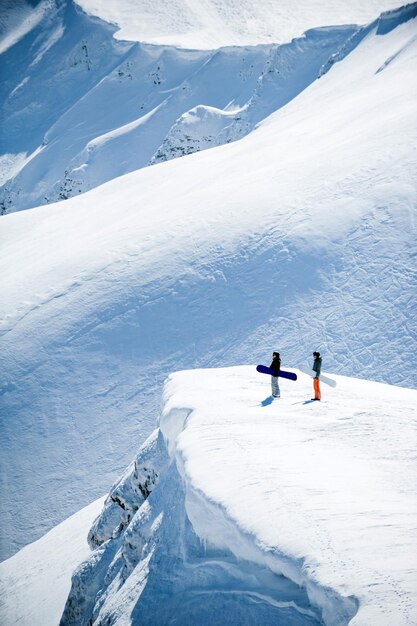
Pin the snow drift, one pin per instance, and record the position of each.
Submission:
(300, 236)
(244, 510)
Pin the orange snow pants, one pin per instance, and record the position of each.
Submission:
(317, 393)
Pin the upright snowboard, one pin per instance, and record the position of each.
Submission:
(324, 379)
(263, 369)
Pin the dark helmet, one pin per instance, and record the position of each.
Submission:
(316, 353)
(275, 354)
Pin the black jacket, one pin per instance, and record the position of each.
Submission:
(317, 366)
(276, 365)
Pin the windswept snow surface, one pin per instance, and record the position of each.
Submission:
(82, 108)
(301, 236)
(35, 583)
(267, 511)
(18, 18)
(206, 24)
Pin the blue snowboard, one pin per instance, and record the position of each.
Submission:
(263, 369)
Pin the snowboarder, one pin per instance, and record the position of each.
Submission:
(276, 366)
(316, 379)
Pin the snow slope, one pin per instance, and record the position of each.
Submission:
(35, 582)
(82, 108)
(206, 24)
(300, 236)
(278, 512)
(18, 18)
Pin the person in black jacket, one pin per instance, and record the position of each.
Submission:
(276, 366)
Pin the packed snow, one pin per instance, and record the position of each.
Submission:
(263, 511)
(35, 583)
(302, 233)
(207, 24)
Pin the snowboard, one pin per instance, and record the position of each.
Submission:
(323, 378)
(263, 369)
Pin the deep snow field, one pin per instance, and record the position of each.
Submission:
(287, 223)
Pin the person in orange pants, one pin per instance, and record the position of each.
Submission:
(316, 380)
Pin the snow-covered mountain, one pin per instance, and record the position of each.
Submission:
(241, 509)
(270, 512)
(83, 108)
(300, 236)
(208, 24)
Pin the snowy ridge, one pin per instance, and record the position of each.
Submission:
(117, 106)
(302, 233)
(147, 564)
(232, 513)
(287, 70)
(384, 24)
(161, 102)
(208, 24)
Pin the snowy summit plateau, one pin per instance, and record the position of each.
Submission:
(187, 188)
